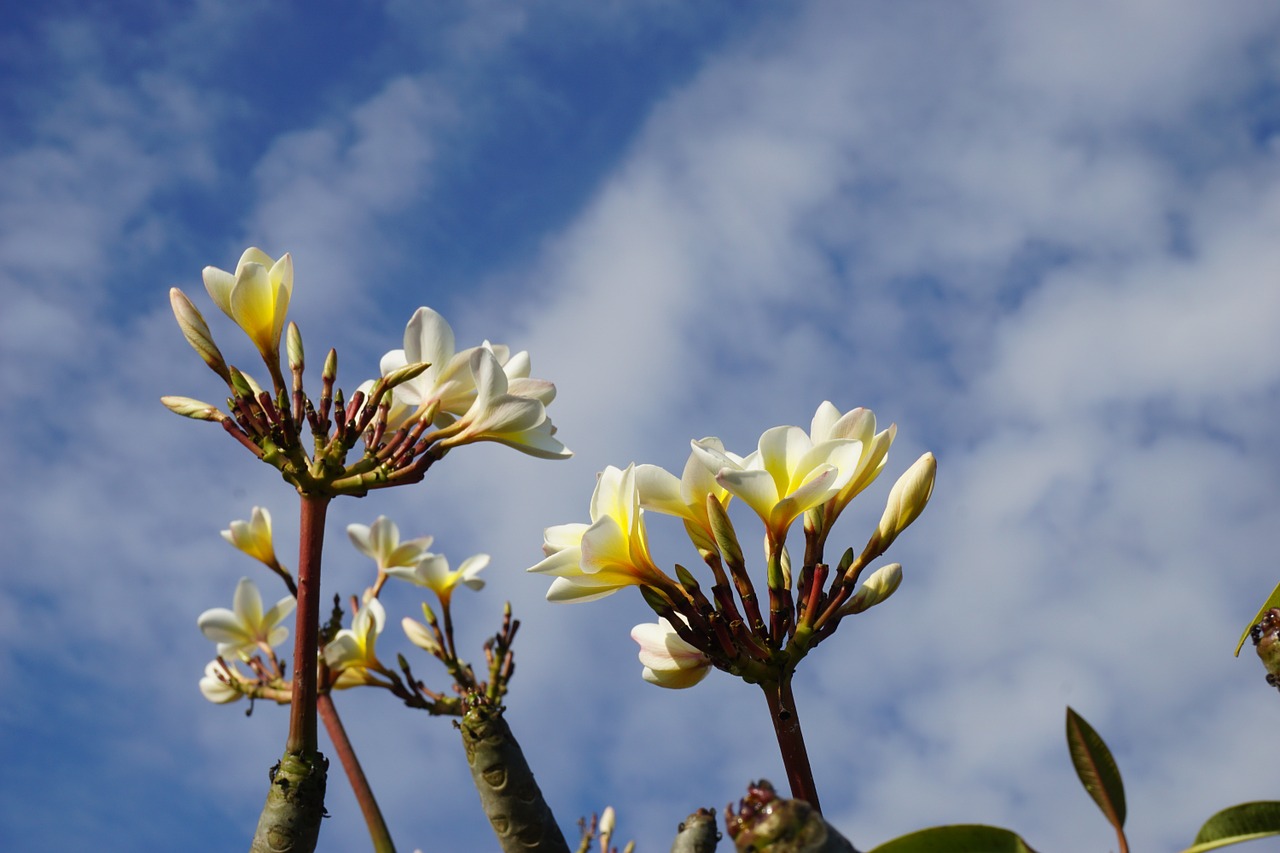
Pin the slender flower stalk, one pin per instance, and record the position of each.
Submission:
(379, 835)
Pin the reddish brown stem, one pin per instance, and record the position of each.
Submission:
(302, 709)
(378, 832)
(786, 725)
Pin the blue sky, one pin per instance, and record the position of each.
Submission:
(1041, 238)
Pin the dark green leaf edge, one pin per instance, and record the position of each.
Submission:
(1238, 824)
(957, 838)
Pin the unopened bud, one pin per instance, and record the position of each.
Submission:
(330, 370)
(194, 409)
(420, 636)
(404, 374)
(655, 600)
(722, 530)
(907, 499)
(607, 820)
(241, 385)
(428, 614)
(875, 589)
(686, 578)
(197, 333)
(293, 346)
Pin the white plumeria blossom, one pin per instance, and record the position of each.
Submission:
(685, 497)
(256, 296)
(446, 389)
(432, 571)
(254, 536)
(785, 476)
(508, 411)
(590, 561)
(668, 660)
(353, 649)
(215, 684)
(380, 541)
(860, 425)
(246, 626)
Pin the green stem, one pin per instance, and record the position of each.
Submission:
(378, 832)
(786, 725)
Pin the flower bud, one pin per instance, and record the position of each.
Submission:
(875, 589)
(194, 409)
(722, 530)
(420, 635)
(607, 821)
(907, 499)
(197, 333)
(293, 346)
(686, 578)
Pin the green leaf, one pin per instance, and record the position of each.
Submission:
(960, 838)
(1096, 768)
(1273, 600)
(1237, 824)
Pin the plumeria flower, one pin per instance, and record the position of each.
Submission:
(685, 497)
(381, 542)
(352, 653)
(216, 684)
(859, 425)
(668, 660)
(432, 571)
(883, 582)
(246, 627)
(785, 476)
(593, 560)
(499, 414)
(445, 390)
(256, 297)
(907, 499)
(254, 537)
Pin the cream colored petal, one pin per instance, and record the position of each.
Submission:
(248, 604)
(429, 338)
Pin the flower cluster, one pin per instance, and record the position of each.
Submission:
(791, 474)
(481, 393)
(430, 398)
(247, 635)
